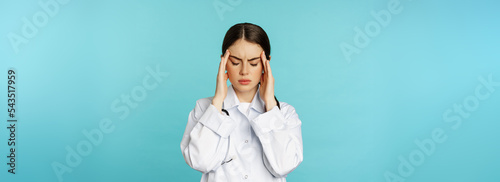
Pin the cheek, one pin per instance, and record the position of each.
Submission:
(231, 71)
(257, 72)
(258, 69)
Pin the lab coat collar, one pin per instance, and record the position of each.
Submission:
(232, 100)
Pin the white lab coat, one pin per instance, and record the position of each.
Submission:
(265, 146)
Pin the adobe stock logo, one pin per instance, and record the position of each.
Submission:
(427, 147)
(92, 138)
(222, 7)
(32, 25)
(363, 36)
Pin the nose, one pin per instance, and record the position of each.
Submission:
(244, 69)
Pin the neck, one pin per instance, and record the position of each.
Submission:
(246, 96)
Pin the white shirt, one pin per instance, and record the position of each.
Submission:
(261, 146)
(244, 108)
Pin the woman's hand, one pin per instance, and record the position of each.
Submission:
(267, 83)
(221, 87)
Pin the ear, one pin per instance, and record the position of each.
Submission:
(269, 58)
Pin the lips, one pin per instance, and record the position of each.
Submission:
(244, 81)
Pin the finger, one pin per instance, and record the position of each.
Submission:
(223, 62)
(226, 57)
(263, 60)
(270, 73)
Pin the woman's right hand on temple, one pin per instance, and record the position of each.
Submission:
(221, 87)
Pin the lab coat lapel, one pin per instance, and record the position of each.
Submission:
(232, 100)
(257, 103)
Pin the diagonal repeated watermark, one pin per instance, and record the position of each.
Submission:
(455, 115)
(94, 137)
(364, 36)
(221, 7)
(31, 26)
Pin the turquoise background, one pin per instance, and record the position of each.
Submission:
(357, 116)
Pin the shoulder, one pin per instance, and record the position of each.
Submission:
(201, 106)
(286, 106)
(287, 109)
(204, 102)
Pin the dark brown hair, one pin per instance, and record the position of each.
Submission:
(249, 32)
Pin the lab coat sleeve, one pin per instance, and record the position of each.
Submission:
(206, 139)
(279, 132)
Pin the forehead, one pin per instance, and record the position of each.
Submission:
(244, 49)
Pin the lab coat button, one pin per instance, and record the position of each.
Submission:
(246, 141)
(246, 176)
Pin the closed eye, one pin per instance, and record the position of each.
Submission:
(235, 64)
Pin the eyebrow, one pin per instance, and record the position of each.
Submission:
(253, 59)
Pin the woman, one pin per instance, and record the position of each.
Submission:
(243, 133)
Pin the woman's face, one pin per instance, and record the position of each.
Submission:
(244, 67)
